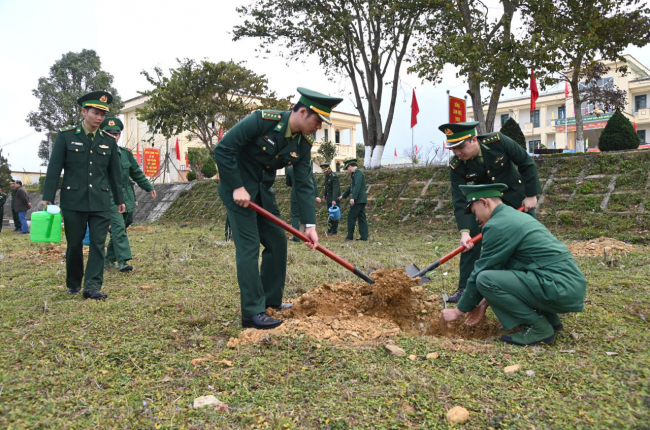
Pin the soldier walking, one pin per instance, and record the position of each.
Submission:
(331, 193)
(358, 200)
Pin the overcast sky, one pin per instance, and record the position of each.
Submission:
(144, 34)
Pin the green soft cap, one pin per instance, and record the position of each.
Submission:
(350, 162)
(457, 133)
(476, 192)
(97, 99)
(319, 103)
(112, 125)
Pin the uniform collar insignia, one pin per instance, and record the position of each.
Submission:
(279, 127)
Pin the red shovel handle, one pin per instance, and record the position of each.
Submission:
(268, 215)
(452, 254)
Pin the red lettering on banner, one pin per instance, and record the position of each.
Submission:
(457, 110)
(151, 161)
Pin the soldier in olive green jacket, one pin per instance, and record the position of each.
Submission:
(358, 200)
(91, 164)
(119, 249)
(331, 192)
(486, 159)
(14, 214)
(264, 142)
(525, 274)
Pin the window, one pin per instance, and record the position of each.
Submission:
(535, 118)
(337, 136)
(533, 144)
(505, 117)
(641, 134)
(327, 134)
(561, 112)
(640, 102)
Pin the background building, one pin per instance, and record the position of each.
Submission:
(137, 136)
(546, 125)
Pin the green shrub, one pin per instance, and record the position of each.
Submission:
(513, 131)
(41, 183)
(191, 176)
(618, 134)
(209, 168)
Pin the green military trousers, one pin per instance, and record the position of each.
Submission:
(357, 212)
(511, 294)
(332, 226)
(75, 229)
(2, 214)
(17, 223)
(468, 258)
(295, 212)
(259, 288)
(119, 247)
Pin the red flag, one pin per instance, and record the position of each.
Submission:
(137, 153)
(534, 93)
(416, 149)
(566, 90)
(635, 126)
(178, 151)
(415, 110)
(396, 148)
(220, 136)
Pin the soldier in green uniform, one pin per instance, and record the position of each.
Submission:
(293, 198)
(91, 164)
(14, 214)
(358, 200)
(524, 272)
(486, 159)
(264, 142)
(332, 191)
(118, 251)
(3, 199)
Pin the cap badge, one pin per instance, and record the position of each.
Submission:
(103, 99)
(111, 122)
(448, 132)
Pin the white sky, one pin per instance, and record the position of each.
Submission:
(144, 34)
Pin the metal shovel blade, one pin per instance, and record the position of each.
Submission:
(413, 270)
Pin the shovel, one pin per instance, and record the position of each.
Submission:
(414, 271)
(268, 215)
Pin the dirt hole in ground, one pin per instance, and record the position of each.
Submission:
(357, 313)
(599, 247)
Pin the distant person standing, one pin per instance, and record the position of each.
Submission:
(91, 164)
(14, 214)
(22, 206)
(331, 192)
(293, 198)
(3, 199)
(358, 200)
(118, 251)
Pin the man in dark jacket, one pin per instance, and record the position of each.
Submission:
(14, 214)
(358, 200)
(22, 205)
(3, 199)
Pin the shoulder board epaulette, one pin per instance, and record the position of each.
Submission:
(454, 162)
(489, 138)
(108, 134)
(127, 149)
(72, 127)
(274, 116)
(309, 139)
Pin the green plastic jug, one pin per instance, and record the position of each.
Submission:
(46, 226)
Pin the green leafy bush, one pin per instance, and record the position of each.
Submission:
(618, 134)
(191, 176)
(513, 131)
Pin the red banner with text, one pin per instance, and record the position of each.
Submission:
(457, 110)
(151, 162)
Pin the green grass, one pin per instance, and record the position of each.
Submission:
(125, 363)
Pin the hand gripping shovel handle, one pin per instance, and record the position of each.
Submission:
(451, 255)
(268, 215)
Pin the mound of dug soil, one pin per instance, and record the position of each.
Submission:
(597, 247)
(358, 313)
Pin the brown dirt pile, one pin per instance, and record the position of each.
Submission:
(357, 313)
(596, 247)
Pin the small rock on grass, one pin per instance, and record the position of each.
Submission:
(432, 356)
(204, 401)
(395, 350)
(610, 353)
(512, 369)
(412, 357)
(458, 414)
(530, 373)
(145, 287)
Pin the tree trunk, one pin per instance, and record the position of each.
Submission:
(376, 156)
(477, 106)
(577, 102)
(367, 158)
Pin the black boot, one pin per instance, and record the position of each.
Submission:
(282, 307)
(454, 298)
(260, 321)
(95, 295)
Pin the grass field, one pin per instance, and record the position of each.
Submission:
(126, 362)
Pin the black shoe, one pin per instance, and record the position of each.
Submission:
(362, 239)
(73, 291)
(124, 267)
(347, 239)
(17, 230)
(260, 321)
(95, 295)
(294, 239)
(454, 298)
(282, 307)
